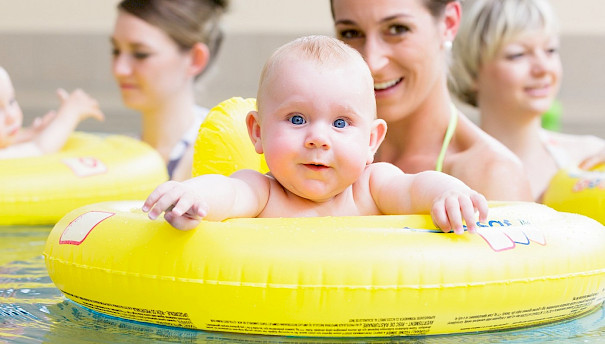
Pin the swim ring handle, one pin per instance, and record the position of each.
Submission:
(223, 145)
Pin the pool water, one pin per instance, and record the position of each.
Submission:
(32, 310)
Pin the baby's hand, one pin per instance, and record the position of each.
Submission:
(452, 207)
(182, 208)
(79, 104)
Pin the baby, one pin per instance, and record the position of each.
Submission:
(47, 134)
(316, 124)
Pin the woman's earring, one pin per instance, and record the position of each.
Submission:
(447, 45)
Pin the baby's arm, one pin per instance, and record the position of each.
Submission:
(212, 197)
(39, 123)
(75, 107)
(448, 200)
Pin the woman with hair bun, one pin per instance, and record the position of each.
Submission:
(160, 48)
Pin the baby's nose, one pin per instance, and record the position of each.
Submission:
(317, 139)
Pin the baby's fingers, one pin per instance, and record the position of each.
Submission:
(439, 216)
(160, 199)
(452, 207)
(63, 94)
(186, 213)
(188, 206)
(181, 222)
(468, 213)
(480, 204)
(97, 114)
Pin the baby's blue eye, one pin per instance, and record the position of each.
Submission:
(297, 120)
(340, 123)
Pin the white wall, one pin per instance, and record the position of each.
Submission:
(64, 43)
(581, 16)
(57, 15)
(287, 16)
(98, 16)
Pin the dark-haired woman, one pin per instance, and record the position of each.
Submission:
(160, 48)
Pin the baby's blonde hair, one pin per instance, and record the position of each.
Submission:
(321, 49)
(487, 25)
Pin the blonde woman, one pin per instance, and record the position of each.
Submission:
(507, 63)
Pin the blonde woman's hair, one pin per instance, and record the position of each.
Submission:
(323, 50)
(487, 25)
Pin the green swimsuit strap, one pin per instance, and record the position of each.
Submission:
(451, 127)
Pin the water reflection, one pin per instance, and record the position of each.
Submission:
(21, 242)
(32, 310)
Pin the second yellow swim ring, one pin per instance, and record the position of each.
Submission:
(578, 191)
(88, 169)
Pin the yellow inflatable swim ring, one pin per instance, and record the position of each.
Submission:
(327, 276)
(331, 276)
(578, 191)
(90, 168)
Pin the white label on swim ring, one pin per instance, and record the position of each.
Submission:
(534, 234)
(516, 234)
(85, 166)
(506, 238)
(81, 226)
(496, 238)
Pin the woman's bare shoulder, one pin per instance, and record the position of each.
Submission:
(487, 166)
(477, 144)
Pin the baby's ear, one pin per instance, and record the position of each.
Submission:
(253, 124)
(377, 134)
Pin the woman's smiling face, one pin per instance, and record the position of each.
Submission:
(402, 44)
(524, 76)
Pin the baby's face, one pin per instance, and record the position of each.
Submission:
(316, 123)
(11, 117)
